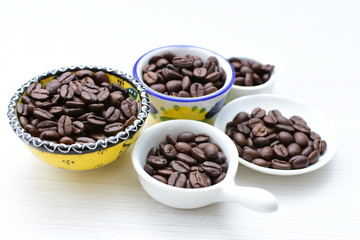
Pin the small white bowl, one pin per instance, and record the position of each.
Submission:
(226, 190)
(317, 121)
(240, 91)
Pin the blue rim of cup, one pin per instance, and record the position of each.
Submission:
(78, 148)
(221, 91)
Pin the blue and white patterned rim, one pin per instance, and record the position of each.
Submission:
(79, 148)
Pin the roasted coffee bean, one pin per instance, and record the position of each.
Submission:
(299, 161)
(50, 135)
(96, 120)
(182, 62)
(254, 121)
(280, 151)
(197, 90)
(201, 137)
(156, 161)
(165, 172)
(149, 169)
(302, 128)
(103, 94)
(77, 127)
(186, 159)
(39, 94)
(261, 162)
(66, 140)
(250, 154)
(73, 112)
(301, 139)
(53, 86)
(43, 114)
(31, 129)
(242, 128)
(113, 128)
(128, 107)
(116, 98)
(294, 149)
(307, 151)
(200, 72)
(198, 154)
(314, 157)
(261, 142)
(182, 147)
(66, 92)
(212, 169)
(169, 151)
(160, 178)
(270, 120)
(240, 139)
(180, 166)
(177, 179)
(211, 151)
(197, 180)
(285, 138)
(279, 164)
(259, 130)
(83, 140)
(64, 126)
(112, 114)
(266, 153)
(174, 85)
(186, 137)
(282, 127)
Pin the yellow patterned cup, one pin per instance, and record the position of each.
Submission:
(164, 107)
(89, 155)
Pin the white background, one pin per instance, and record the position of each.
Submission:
(315, 48)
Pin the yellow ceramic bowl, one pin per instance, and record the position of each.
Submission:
(89, 155)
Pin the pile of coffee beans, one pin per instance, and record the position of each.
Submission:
(186, 76)
(188, 161)
(250, 72)
(79, 107)
(274, 141)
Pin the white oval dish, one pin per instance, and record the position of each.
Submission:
(316, 120)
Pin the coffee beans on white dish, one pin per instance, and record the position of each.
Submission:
(269, 139)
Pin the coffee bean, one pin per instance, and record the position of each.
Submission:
(250, 154)
(259, 130)
(279, 164)
(212, 169)
(280, 151)
(66, 77)
(301, 139)
(294, 149)
(201, 137)
(211, 151)
(174, 85)
(156, 161)
(66, 140)
(182, 147)
(197, 90)
(314, 157)
(43, 114)
(197, 180)
(186, 137)
(169, 151)
(299, 161)
(113, 128)
(160, 178)
(266, 153)
(64, 126)
(182, 62)
(50, 135)
(177, 179)
(240, 139)
(261, 162)
(285, 138)
(180, 166)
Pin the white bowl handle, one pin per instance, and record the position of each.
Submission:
(254, 198)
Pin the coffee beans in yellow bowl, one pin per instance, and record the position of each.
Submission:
(80, 117)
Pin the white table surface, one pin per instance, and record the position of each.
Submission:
(315, 48)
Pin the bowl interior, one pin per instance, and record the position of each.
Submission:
(157, 133)
(133, 88)
(317, 121)
(182, 50)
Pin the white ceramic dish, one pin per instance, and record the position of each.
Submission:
(317, 121)
(226, 190)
